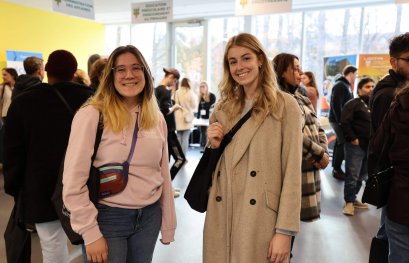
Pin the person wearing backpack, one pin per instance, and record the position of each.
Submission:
(36, 136)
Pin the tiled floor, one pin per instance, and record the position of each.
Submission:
(335, 238)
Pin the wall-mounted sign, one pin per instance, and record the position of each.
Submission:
(259, 7)
(80, 8)
(152, 12)
(401, 1)
(15, 59)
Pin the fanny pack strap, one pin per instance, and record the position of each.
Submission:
(134, 139)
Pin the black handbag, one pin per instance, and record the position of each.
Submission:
(197, 192)
(377, 186)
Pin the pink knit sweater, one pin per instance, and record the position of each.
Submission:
(149, 178)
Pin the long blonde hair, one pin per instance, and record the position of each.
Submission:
(206, 95)
(267, 97)
(108, 101)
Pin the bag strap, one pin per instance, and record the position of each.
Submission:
(229, 136)
(64, 101)
(98, 137)
(134, 139)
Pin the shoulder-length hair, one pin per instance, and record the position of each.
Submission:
(311, 76)
(281, 63)
(108, 101)
(267, 96)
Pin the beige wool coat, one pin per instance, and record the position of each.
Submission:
(256, 187)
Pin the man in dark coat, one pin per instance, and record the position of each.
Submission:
(379, 103)
(341, 93)
(34, 68)
(36, 136)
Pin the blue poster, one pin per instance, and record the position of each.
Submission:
(15, 59)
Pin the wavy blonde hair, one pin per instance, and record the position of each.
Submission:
(111, 104)
(267, 97)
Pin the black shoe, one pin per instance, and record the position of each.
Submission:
(338, 174)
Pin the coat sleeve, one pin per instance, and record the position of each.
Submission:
(14, 151)
(167, 200)
(337, 100)
(288, 217)
(347, 118)
(163, 102)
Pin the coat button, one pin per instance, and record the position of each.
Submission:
(218, 173)
(253, 201)
(253, 173)
(218, 198)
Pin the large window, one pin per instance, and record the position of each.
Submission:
(220, 30)
(279, 33)
(151, 40)
(190, 53)
(115, 36)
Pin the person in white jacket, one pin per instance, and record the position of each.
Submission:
(186, 98)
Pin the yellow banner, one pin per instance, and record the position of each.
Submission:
(373, 65)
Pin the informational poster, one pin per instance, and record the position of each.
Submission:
(15, 59)
(373, 65)
(80, 8)
(152, 12)
(259, 7)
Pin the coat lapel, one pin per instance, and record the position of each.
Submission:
(243, 138)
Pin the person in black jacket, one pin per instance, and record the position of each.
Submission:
(34, 68)
(379, 103)
(341, 93)
(395, 129)
(356, 123)
(163, 95)
(36, 136)
(206, 101)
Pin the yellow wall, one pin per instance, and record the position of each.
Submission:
(28, 29)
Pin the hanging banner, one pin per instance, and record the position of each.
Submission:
(16, 58)
(152, 12)
(259, 7)
(375, 66)
(80, 8)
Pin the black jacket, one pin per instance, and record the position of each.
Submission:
(356, 121)
(379, 104)
(163, 95)
(36, 136)
(382, 97)
(396, 127)
(204, 105)
(23, 83)
(341, 93)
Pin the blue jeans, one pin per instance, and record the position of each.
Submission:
(356, 170)
(398, 236)
(131, 234)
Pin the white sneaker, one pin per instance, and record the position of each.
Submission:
(349, 209)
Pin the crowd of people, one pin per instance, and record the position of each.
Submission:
(267, 179)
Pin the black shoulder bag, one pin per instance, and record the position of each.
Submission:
(197, 192)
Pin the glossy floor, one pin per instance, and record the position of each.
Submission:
(335, 238)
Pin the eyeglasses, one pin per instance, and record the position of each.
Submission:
(121, 70)
(404, 59)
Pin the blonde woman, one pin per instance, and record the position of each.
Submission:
(206, 101)
(185, 97)
(257, 181)
(123, 227)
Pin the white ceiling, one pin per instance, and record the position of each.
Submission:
(119, 11)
